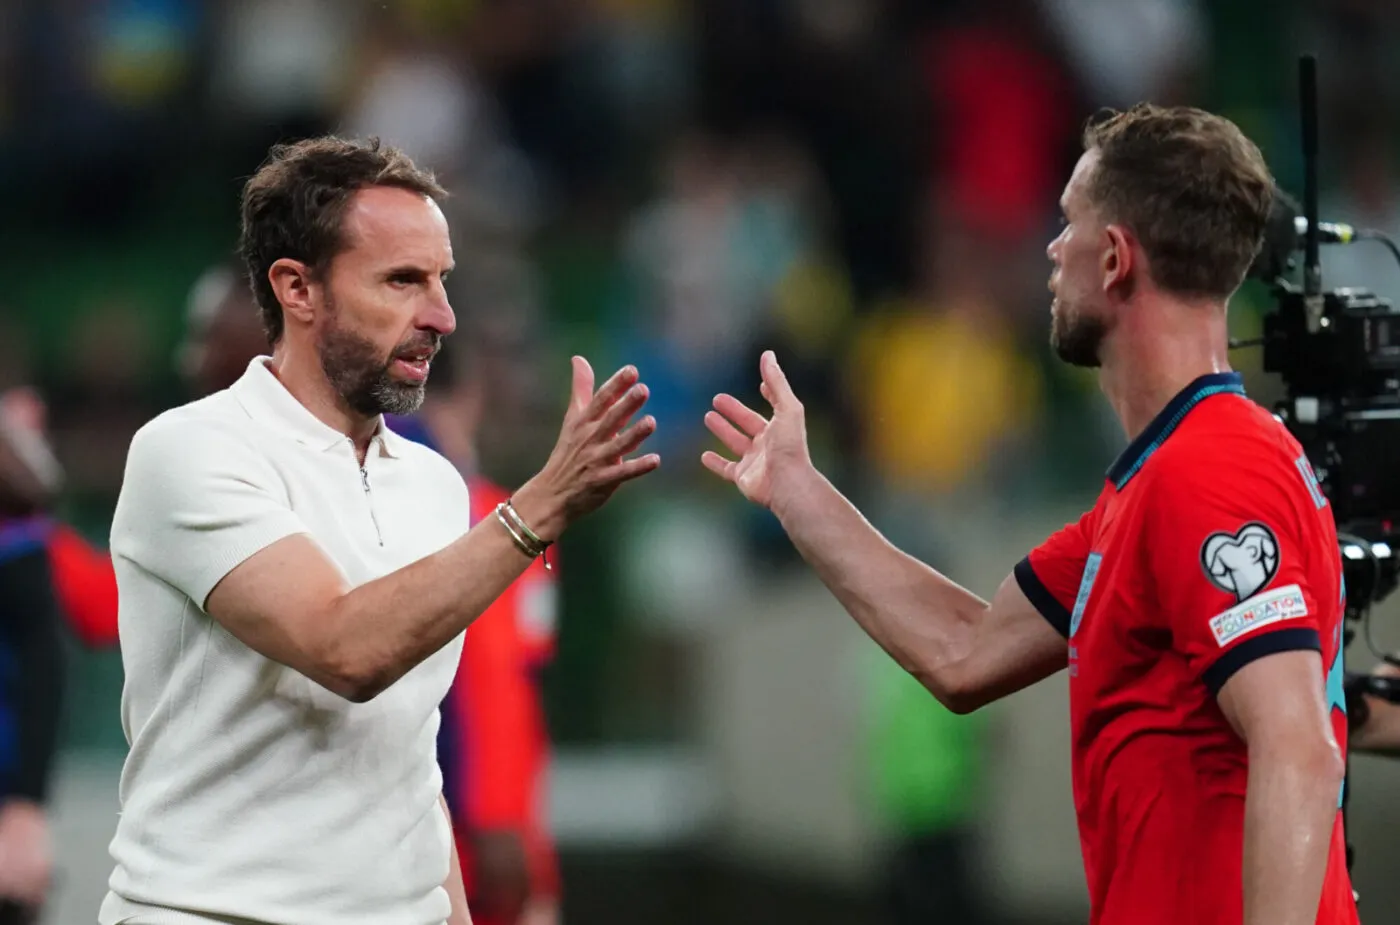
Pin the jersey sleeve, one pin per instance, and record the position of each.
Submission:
(1050, 575)
(1227, 556)
(197, 500)
(86, 585)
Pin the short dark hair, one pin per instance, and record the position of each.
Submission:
(1194, 190)
(295, 204)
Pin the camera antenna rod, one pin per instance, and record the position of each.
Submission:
(1312, 263)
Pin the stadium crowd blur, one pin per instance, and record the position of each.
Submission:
(867, 186)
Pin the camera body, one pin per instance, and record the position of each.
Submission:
(1341, 370)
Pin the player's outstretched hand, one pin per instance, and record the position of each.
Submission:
(772, 454)
(590, 459)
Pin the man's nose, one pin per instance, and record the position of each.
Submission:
(437, 314)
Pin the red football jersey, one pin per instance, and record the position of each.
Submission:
(1210, 546)
(494, 742)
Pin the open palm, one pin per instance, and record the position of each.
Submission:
(769, 452)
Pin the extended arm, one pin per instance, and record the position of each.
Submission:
(287, 599)
(293, 605)
(965, 651)
(1276, 704)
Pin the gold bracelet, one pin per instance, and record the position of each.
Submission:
(528, 534)
(520, 542)
(524, 528)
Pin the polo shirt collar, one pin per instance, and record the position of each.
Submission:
(266, 399)
(1132, 459)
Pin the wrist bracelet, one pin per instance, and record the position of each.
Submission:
(526, 540)
(523, 527)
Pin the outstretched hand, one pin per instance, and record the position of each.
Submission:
(590, 461)
(772, 453)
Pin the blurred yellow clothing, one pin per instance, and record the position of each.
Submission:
(939, 393)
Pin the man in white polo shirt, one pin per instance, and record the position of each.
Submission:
(295, 578)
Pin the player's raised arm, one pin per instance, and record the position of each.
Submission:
(966, 651)
(291, 603)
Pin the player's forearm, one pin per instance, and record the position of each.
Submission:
(384, 628)
(922, 619)
(1290, 811)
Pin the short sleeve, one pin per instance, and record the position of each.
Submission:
(1050, 575)
(197, 500)
(1229, 568)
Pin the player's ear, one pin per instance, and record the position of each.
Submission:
(292, 282)
(1117, 260)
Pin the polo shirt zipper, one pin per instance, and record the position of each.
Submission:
(364, 480)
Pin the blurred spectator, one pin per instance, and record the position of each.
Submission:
(842, 77)
(943, 385)
(1005, 115)
(31, 659)
(105, 395)
(925, 765)
(414, 93)
(283, 62)
(223, 331)
(1116, 65)
(706, 259)
(79, 577)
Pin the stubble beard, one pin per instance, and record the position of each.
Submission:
(360, 375)
(1077, 338)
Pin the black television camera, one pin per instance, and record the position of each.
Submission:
(1338, 356)
(1337, 353)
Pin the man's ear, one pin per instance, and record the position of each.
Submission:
(1117, 263)
(292, 283)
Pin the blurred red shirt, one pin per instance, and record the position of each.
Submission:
(494, 743)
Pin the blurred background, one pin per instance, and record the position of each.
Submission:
(866, 186)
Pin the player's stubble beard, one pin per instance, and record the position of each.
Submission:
(359, 373)
(1077, 337)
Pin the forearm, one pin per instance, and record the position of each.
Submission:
(456, 891)
(381, 630)
(1290, 811)
(922, 619)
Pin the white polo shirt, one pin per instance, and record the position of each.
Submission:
(251, 792)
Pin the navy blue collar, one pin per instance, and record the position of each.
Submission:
(1167, 420)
